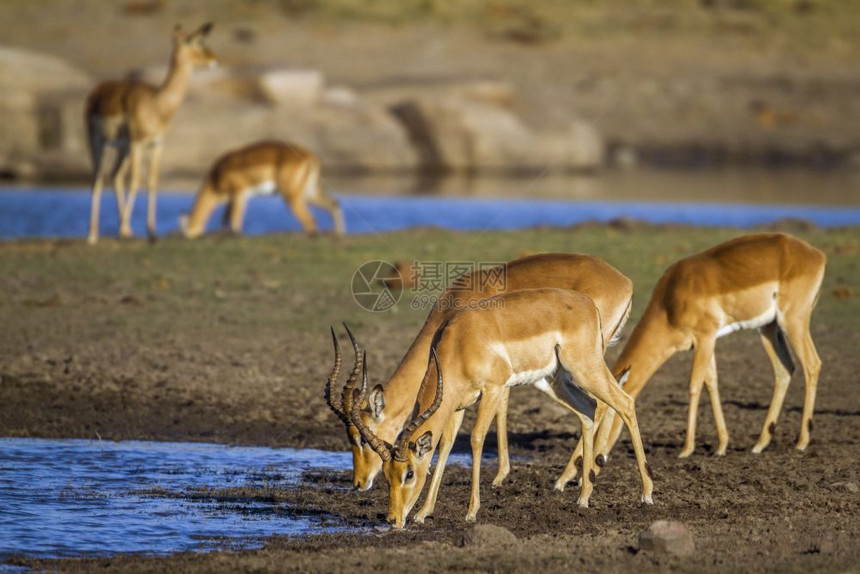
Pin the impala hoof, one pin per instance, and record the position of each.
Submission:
(471, 518)
(648, 500)
(560, 484)
(758, 448)
(582, 503)
(685, 453)
(92, 239)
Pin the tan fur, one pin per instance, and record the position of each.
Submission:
(610, 290)
(735, 281)
(292, 170)
(480, 352)
(132, 118)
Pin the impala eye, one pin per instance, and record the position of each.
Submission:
(409, 474)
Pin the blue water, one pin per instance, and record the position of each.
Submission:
(62, 498)
(74, 498)
(65, 213)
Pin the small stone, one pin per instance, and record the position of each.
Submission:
(667, 537)
(487, 535)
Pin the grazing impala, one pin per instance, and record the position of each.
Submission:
(132, 117)
(261, 168)
(550, 337)
(768, 282)
(385, 410)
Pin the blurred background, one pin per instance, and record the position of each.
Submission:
(730, 100)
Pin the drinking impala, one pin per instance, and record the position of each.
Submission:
(384, 410)
(132, 118)
(767, 281)
(551, 337)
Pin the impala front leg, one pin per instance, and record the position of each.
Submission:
(136, 158)
(711, 382)
(502, 439)
(701, 366)
(446, 443)
(487, 409)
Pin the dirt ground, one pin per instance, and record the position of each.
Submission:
(226, 340)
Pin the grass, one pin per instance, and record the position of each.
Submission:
(260, 286)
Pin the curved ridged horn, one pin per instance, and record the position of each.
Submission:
(347, 396)
(332, 378)
(406, 436)
(382, 448)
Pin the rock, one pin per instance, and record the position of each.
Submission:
(291, 87)
(487, 535)
(40, 115)
(461, 134)
(35, 73)
(667, 537)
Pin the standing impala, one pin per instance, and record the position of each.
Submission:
(386, 409)
(261, 168)
(767, 281)
(132, 117)
(530, 336)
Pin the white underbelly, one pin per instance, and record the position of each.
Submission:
(262, 188)
(532, 377)
(764, 319)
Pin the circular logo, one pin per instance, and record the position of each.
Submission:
(377, 286)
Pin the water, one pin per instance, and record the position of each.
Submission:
(73, 498)
(65, 213)
(64, 498)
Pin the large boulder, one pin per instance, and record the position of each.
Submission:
(456, 133)
(41, 114)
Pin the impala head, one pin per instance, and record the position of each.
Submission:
(406, 463)
(190, 47)
(366, 463)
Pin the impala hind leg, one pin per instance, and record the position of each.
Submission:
(98, 182)
(502, 439)
(597, 380)
(776, 348)
(446, 443)
(152, 189)
(487, 409)
(801, 341)
(701, 367)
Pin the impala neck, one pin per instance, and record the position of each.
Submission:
(402, 387)
(172, 91)
(651, 344)
(204, 204)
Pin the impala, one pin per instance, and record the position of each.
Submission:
(386, 409)
(534, 335)
(132, 117)
(261, 168)
(768, 282)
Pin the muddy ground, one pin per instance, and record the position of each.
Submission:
(226, 340)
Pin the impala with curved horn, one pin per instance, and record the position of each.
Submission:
(132, 117)
(532, 335)
(766, 281)
(386, 409)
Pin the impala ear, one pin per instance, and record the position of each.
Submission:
(376, 401)
(204, 30)
(423, 444)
